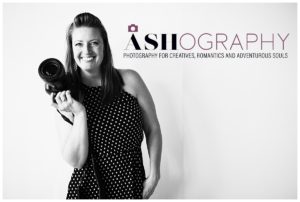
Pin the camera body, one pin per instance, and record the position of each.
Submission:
(53, 74)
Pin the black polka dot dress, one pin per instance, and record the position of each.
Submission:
(114, 167)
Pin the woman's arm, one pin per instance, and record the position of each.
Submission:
(73, 138)
(153, 137)
(137, 87)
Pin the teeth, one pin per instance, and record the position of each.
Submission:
(87, 58)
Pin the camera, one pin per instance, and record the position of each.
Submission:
(53, 74)
(133, 28)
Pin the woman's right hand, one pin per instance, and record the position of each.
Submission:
(65, 102)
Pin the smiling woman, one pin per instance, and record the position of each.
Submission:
(88, 47)
(108, 121)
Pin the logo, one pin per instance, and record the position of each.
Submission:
(195, 44)
(133, 28)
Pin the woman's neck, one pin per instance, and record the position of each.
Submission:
(91, 79)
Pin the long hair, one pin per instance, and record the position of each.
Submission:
(110, 77)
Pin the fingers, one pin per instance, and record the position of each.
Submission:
(149, 187)
(68, 96)
(57, 98)
(147, 190)
(62, 98)
(146, 194)
(52, 100)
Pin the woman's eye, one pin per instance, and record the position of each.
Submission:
(94, 43)
(78, 44)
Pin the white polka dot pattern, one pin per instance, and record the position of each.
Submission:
(114, 168)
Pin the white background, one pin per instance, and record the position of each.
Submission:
(228, 125)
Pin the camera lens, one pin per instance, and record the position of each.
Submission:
(50, 70)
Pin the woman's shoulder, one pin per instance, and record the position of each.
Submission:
(132, 81)
(129, 74)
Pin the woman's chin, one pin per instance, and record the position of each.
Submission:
(88, 67)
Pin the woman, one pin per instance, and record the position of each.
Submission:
(111, 111)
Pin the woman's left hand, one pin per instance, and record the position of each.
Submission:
(149, 185)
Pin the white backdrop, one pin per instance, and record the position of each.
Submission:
(228, 125)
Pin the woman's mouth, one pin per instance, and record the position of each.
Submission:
(87, 59)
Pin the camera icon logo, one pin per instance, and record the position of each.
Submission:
(133, 28)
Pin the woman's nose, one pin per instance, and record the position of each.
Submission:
(86, 48)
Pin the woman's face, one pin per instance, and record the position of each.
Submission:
(87, 45)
